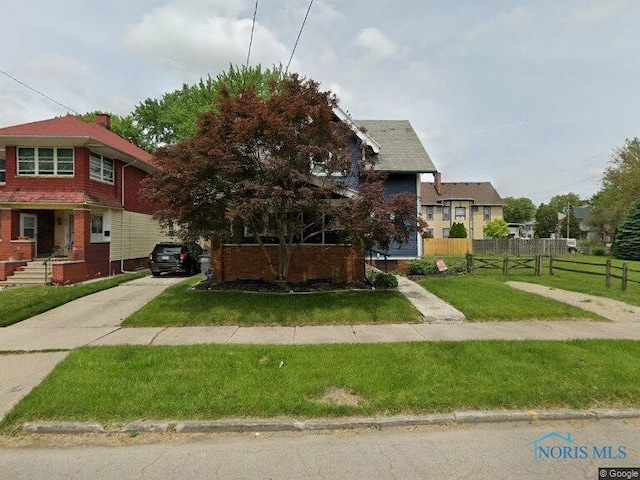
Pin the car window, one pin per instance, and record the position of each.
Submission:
(167, 250)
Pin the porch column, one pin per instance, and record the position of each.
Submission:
(9, 230)
(81, 232)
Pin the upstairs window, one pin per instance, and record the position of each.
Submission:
(429, 213)
(47, 161)
(100, 168)
(461, 212)
(487, 214)
(3, 170)
(446, 213)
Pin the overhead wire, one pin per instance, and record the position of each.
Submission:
(38, 92)
(253, 26)
(299, 34)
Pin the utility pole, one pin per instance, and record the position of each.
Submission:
(567, 218)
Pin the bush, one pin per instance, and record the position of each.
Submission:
(458, 230)
(599, 251)
(383, 280)
(422, 266)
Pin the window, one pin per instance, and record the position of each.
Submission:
(429, 232)
(429, 213)
(45, 161)
(3, 170)
(461, 212)
(100, 227)
(100, 168)
(487, 213)
(445, 233)
(446, 213)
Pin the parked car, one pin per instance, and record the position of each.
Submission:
(175, 258)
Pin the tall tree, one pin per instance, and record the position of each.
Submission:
(518, 210)
(173, 118)
(263, 165)
(626, 244)
(123, 126)
(560, 203)
(620, 187)
(546, 220)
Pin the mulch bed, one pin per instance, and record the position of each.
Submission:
(262, 286)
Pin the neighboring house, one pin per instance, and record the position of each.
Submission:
(587, 232)
(471, 203)
(71, 190)
(522, 230)
(399, 154)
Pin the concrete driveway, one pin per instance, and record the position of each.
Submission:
(69, 326)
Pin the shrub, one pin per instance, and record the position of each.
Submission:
(383, 280)
(422, 266)
(458, 230)
(599, 251)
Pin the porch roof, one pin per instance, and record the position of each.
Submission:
(57, 197)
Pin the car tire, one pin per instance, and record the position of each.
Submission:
(155, 274)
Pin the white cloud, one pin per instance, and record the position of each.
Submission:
(515, 19)
(199, 41)
(602, 11)
(379, 45)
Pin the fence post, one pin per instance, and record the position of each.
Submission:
(505, 266)
(607, 269)
(624, 276)
(538, 265)
(550, 264)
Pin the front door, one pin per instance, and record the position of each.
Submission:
(29, 226)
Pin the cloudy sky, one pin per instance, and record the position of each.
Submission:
(533, 96)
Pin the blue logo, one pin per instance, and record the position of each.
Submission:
(554, 446)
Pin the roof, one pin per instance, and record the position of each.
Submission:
(481, 193)
(400, 148)
(582, 212)
(361, 134)
(66, 197)
(72, 131)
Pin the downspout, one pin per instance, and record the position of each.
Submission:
(122, 270)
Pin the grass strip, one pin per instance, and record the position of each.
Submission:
(179, 306)
(486, 298)
(112, 385)
(20, 303)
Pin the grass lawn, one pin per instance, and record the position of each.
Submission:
(179, 306)
(485, 298)
(20, 303)
(113, 385)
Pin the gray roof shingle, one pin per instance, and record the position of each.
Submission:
(400, 148)
(482, 193)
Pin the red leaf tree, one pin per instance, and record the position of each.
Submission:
(276, 169)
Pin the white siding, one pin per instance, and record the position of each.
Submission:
(134, 235)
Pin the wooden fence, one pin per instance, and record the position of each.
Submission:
(518, 246)
(507, 264)
(606, 270)
(451, 247)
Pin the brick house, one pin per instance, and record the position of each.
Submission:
(70, 196)
(471, 203)
(399, 154)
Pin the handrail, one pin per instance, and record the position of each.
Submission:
(64, 251)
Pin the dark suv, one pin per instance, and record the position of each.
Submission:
(175, 258)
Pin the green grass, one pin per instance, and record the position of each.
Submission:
(483, 298)
(112, 385)
(580, 282)
(179, 306)
(17, 304)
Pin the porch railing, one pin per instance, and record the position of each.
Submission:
(60, 252)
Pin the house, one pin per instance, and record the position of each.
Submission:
(471, 203)
(70, 196)
(587, 231)
(522, 230)
(399, 154)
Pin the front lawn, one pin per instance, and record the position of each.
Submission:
(486, 298)
(113, 385)
(20, 303)
(178, 307)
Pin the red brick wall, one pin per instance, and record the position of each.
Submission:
(7, 269)
(339, 263)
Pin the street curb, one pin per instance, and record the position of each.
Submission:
(290, 425)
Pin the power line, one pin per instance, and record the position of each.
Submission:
(38, 92)
(299, 34)
(253, 26)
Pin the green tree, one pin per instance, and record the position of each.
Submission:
(173, 118)
(518, 210)
(123, 126)
(626, 244)
(620, 187)
(497, 228)
(574, 226)
(560, 202)
(546, 221)
(458, 230)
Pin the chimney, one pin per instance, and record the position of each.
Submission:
(104, 120)
(437, 182)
